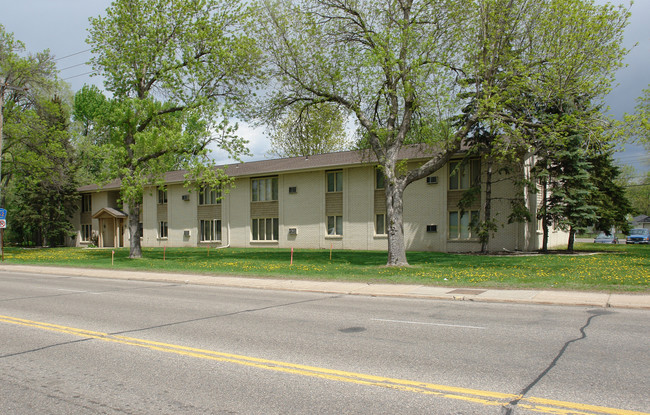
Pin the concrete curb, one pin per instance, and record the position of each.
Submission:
(546, 297)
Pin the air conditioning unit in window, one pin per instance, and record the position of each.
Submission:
(293, 189)
(185, 197)
(293, 231)
(432, 180)
(432, 228)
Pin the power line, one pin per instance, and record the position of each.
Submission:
(73, 54)
(73, 66)
(77, 76)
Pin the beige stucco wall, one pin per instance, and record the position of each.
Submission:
(302, 210)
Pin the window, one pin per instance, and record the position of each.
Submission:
(464, 175)
(162, 196)
(86, 203)
(335, 225)
(264, 190)
(380, 224)
(334, 181)
(162, 230)
(460, 225)
(379, 179)
(209, 196)
(210, 230)
(265, 229)
(86, 233)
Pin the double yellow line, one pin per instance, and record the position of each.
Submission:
(546, 406)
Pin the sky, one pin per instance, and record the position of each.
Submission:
(61, 26)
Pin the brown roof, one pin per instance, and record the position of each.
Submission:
(109, 211)
(265, 167)
(114, 185)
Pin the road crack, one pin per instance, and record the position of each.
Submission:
(509, 409)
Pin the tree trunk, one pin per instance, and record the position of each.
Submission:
(544, 218)
(485, 238)
(572, 237)
(135, 250)
(395, 216)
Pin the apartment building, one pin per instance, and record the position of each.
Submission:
(324, 201)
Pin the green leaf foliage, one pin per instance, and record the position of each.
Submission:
(177, 71)
(433, 73)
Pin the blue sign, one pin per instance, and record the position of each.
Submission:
(3, 213)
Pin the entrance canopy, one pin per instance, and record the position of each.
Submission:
(111, 227)
(108, 213)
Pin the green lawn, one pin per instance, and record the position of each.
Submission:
(611, 268)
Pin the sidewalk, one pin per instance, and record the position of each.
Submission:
(575, 298)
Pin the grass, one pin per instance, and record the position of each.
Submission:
(611, 268)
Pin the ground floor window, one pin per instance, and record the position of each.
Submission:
(380, 224)
(210, 230)
(335, 225)
(86, 233)
(162, 230)
(265, 229)
(460, 225)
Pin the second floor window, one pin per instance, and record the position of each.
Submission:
(379, 179)
(264, 190)
(209, 196)
(162, 196)
(464, 175)
(86, 202)
(334, 181)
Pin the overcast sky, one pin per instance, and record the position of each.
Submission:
(61, 26)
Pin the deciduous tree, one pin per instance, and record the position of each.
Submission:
(38, 165)
(314, 129)
(405, 68)
(176, 70)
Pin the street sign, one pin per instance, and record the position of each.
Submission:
(3, 224)
(3, 213)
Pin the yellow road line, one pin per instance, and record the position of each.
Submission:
(482, 397)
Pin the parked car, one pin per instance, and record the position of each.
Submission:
(603, 238)
(638, 236)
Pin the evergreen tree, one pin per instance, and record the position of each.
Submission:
(570, 201)
(612, 204)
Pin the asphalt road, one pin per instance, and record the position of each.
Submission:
(73, 345)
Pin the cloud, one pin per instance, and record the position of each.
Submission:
(258, 144)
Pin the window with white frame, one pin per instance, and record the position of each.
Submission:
(460, 226)
(335, 225)
(209, 196)
(162, 230)
(162, 196)
(334, 181)
(264, 189)
(381, 225)
(86, 232)
(265, 229)
(86, 203)
(463, 175)
(210, 230)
